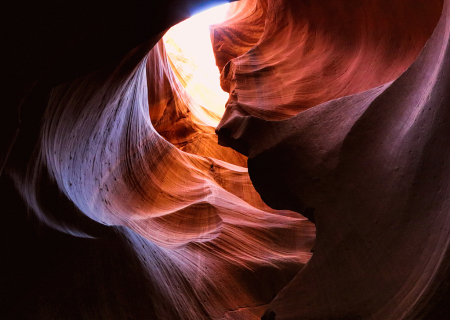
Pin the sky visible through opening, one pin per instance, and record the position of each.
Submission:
(188, 45)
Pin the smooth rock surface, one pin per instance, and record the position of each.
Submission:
(119, 203)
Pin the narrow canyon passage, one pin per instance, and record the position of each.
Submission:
(305, 179)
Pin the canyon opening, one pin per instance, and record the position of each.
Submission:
(189, 48)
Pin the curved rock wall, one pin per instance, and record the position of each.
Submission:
(341, 111)
(240, 32)
(311, 52)
(131, 150)
(370, 170)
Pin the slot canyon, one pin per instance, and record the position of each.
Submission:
(314, 187)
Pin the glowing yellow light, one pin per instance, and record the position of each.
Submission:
(188, 45)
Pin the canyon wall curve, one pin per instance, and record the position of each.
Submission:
(120, 201)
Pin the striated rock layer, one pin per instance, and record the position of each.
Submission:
(129, 150)
(303, 53)
(370, 169)
(338, 106)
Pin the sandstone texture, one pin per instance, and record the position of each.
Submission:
(321, 194)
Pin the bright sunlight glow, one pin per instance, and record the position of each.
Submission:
(188, 45)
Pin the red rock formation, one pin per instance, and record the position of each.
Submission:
(311, 52)
(240, 32)
(204, 234)
(151, 219)
(370, 170)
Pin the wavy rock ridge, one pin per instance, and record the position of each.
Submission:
(340, 108)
